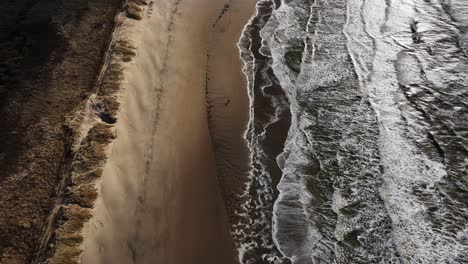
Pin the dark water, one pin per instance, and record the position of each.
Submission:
(270, 120)
(373, 96)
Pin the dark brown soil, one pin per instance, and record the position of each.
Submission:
(50, 55)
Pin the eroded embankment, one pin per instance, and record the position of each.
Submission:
(51, 54)
(90, 131)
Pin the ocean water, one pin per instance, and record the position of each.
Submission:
(358, 132)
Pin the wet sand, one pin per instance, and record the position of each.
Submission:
(159, 200)
(228, 103)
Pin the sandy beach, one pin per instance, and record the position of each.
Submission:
(159, 199)
(229, 103)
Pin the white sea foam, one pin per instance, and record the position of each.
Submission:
(376, 37)
(397, 192)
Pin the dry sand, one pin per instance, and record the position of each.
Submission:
(158, 199)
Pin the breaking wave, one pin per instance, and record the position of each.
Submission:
(358, 132)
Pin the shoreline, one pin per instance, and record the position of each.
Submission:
(228, 104)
